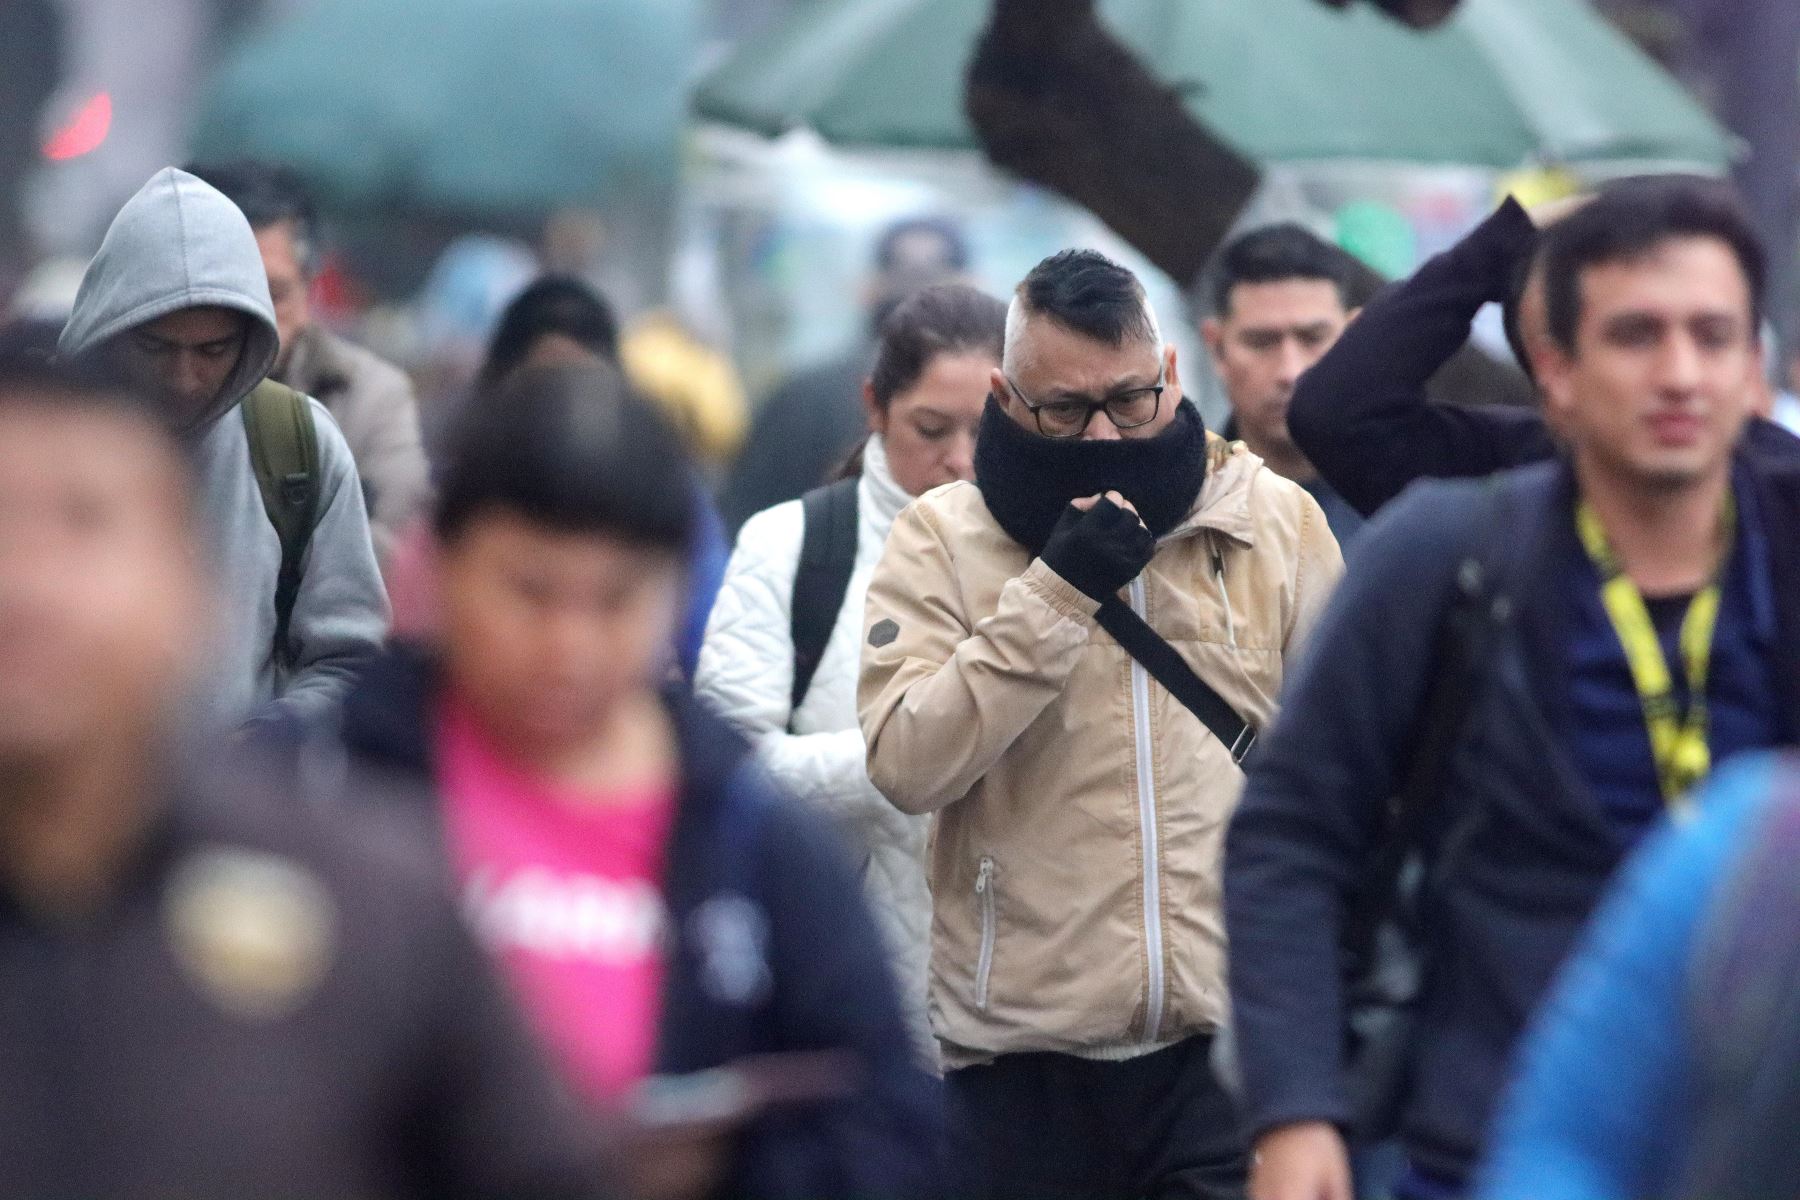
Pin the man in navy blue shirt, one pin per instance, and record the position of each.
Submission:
(1649, 627)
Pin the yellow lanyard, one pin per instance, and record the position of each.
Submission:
(1678, 745)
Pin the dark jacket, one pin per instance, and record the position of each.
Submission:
(1532, 848)
(275, 1005)
(824, 981)
(1361, 414)
(805, 429)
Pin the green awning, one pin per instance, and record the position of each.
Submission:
(1502, 84)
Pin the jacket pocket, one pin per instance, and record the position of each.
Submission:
(984, 900)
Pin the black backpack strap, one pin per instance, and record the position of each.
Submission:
(284, 451)
(1480, 605)
(1168, 668)
(822, 578)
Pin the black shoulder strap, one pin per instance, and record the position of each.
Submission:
(1168, 668)
(284, 451)
(827, 559)
(1480, 604)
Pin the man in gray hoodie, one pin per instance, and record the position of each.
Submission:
(177, 300)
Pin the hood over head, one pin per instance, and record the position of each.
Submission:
(179, 243)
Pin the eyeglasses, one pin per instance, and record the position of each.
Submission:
(1070, 418)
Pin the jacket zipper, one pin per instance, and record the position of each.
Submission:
(1146, 786)
(1218, 563)
(984, 896)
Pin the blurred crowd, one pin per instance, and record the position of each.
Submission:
(967, 775)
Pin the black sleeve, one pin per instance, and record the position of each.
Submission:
(1361, 414)
(834, 990)
(1315, 802)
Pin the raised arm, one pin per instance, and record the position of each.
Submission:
(1361, 414)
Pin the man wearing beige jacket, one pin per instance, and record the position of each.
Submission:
(1077, 967)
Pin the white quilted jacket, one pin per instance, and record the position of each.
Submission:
(746, 673)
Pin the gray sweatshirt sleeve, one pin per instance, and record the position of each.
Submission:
(341, 612)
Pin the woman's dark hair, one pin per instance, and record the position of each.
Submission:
(573, 449)
(947, 319)
(553, 304)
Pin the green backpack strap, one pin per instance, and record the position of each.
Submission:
(284, 450)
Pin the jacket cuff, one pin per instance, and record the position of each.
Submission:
(1294, 1109)
(1501, 242)
(1061, 595)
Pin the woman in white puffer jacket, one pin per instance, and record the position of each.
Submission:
(925, 400)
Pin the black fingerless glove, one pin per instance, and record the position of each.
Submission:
(1099, 551)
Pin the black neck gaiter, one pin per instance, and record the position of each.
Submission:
(1028, 480)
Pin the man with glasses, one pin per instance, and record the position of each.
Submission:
(1081, 787)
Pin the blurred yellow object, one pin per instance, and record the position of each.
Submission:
(696, 384)
(1538, 185)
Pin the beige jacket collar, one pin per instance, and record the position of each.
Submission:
(1224, 503)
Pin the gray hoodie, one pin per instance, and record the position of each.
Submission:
(181, 244)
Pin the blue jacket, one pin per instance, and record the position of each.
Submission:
(821, 981)
(1607, 1100)
(1532, 849)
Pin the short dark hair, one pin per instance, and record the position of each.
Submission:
(560, 304)
(947, 319)
(955, 257)
(1275, 254)
(1629, 219)
(267, 194)
(30, 373)
(573, 449)
(1087, 292)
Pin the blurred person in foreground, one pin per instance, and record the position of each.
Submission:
(1361, 415)
(177, 301)
(1616, 621)
(206, 990)
(1665, 1063)
(1077, 958)
(371, 399)
(783, 645)
(558, 320)
(811, 423)
(660, 908)
(1280, 299)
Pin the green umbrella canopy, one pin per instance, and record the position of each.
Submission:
(462, 106)
(1503, 83)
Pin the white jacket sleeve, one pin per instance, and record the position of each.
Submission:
(746, 673)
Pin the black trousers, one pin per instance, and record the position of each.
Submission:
(1056, 1127)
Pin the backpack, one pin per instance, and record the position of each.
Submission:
(821, 578)
(284, 452)
(1381, 960)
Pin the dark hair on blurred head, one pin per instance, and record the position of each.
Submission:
(1087, 292)
(267, 194)
(898, 247)
(573, 449)
(948, 319)
(1630, 219)
(30, 373)
(1275, 254)
(559, 304)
